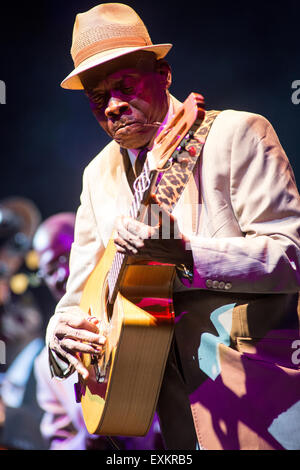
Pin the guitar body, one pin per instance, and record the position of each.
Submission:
(120, 395)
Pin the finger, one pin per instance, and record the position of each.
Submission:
(69, 358)
(82, 323)
(131, 241)
(78, 365)
(123, 246)
(71, 346)
(94, 320)
(78, 334)
(78, 320)
(134, 230)
(122, 226)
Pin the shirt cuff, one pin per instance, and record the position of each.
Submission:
(58, 367)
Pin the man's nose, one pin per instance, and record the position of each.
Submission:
(115, 107)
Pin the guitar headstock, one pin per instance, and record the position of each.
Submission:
(171, 136)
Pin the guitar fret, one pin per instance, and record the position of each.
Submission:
(110, 284)
(133, 209)
(141, 185)
(113, 274)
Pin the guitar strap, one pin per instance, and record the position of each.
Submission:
(175, 178)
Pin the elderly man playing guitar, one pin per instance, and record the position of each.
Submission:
(201, 274)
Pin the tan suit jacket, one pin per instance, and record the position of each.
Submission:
(241, 210)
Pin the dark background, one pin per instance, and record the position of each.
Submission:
(238, 55)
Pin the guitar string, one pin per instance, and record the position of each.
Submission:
(141, 185)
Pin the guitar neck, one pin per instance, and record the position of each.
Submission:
(142, 189)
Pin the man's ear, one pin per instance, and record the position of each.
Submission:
(163, 68)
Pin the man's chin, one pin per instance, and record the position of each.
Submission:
(132, 145)
(129, 141)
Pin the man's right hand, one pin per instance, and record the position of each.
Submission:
(76, 333)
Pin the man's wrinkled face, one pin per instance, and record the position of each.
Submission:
(130, 102)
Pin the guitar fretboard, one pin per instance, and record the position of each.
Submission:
(141, 185)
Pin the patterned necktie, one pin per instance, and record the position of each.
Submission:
(140, 160)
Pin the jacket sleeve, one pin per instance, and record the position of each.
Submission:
(86, 251)
(266, 204)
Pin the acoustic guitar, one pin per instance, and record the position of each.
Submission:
(133, 302)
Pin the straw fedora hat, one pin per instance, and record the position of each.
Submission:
(105, 32)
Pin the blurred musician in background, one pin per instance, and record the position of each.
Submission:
(21, 326)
